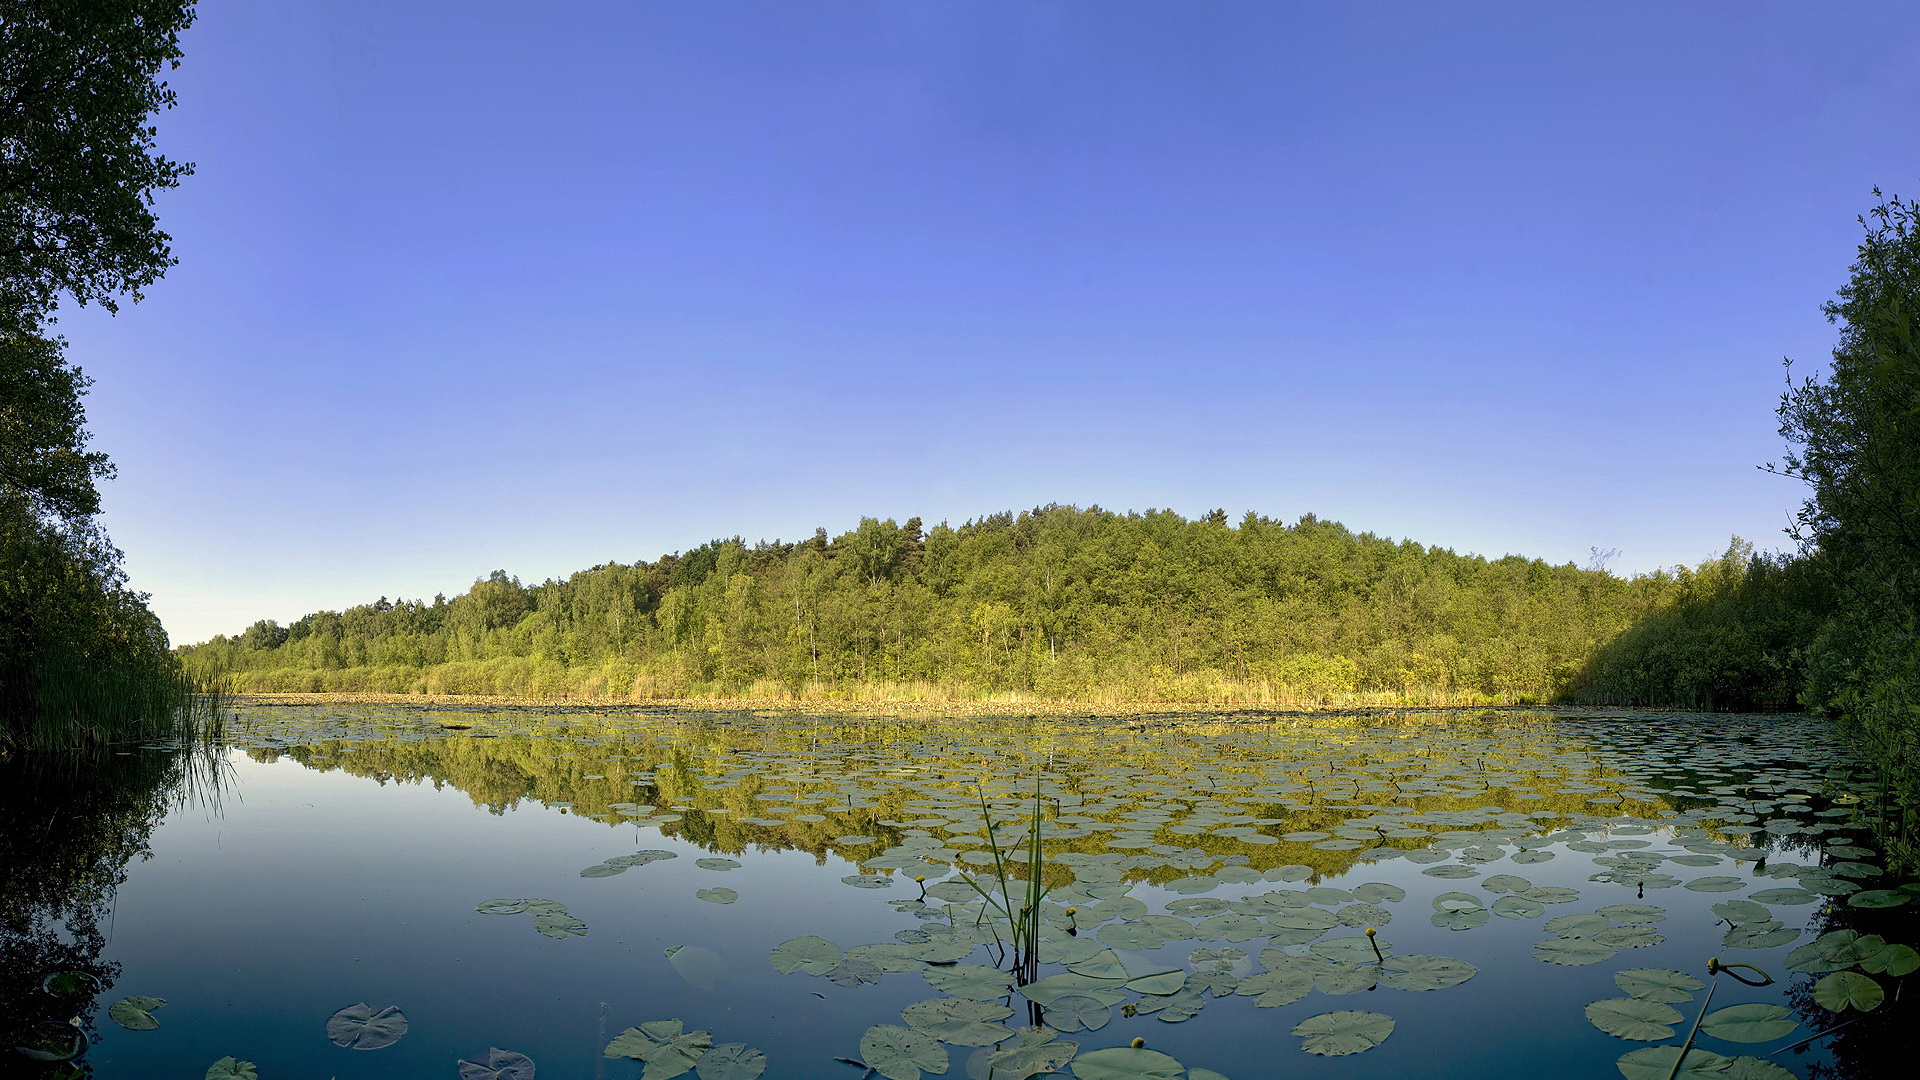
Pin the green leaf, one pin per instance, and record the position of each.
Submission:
(852, 972)
(1173, 1008)
(1518, 907)
(1573, 952)
(1836, 950)
(599, 870)
(1750, 1023)
(1893, 960)
(1752, 1068)
(1578, 926)
(717, 864)
(497, 1064)
(813, 955)
(900, 1053)
(959, 1021)
(1126, 1063)
(1271, 989)
(718, 895)
(1506, 883)
(501, 907)
(229, 1069)
(1656, 1062)
(1848, 989)
(1425, 972)
(730, 1061)
(135, 1013)
(868, 881)
(974, 981)
(1786, 897)
(666, 1049)
(1078, 1012)
(1629, 937)
(1879, 898)
(1741, 912)
(359, 1027)
(1634, 1018)
(1716, 884)
(559, 925)
(1035, 1052)
(1338, 1033)
(1658, 984)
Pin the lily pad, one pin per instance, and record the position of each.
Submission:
(1425, 972)
(1786, 897)
(1751, 1023)
(1658, 984)
(959, 1021)
(1078, 1012)
(1271, 989)
(1843, 990)
(1634, 1018)
(1716, 884)
(229, 1069)
(1893, 960)
(730, 1061)
(667, 1049)
(813, 955)
(497, 1064)
(1879, 898)
(718, 864)
(900, 1053)
(1336, 1034)
(1518, 907)
(501, 907)
(975, 981)
(135, 1013)
(359, 1027)
(1573, 952)
(1126, 1063)
(1037, 1050)
(719, 894)
(1656, 1063)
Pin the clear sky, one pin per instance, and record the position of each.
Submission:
(535, 286)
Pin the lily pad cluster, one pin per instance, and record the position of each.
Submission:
(669, 1050)
(1846, 961)
(550, 917)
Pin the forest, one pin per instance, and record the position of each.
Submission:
(1057, 602)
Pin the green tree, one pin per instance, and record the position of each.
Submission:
(1857, 439)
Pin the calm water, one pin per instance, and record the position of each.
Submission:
(541, 881)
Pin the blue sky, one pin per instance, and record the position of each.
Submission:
(467, 286)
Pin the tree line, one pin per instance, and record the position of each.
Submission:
(1056, 602)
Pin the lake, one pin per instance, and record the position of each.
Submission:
(388, 891)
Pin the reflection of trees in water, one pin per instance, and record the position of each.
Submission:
(69, 825)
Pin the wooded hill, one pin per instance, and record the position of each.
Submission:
(1057, 602)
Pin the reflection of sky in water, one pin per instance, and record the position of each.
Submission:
(313, 890)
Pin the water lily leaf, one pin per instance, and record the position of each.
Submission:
(1893, 960)
(1337, 978)
(854, 973)
(1848, 989)
(1573, 951)
(900, 1053)
(1635, 913)
(1527, 858)
(868, 881)
(229, 1069)
(1376, 892)
(1053, 987)
(813, 955)
(1518, 907)
(1879, 898)
(1658, 984)
(701, 967)
(719, 894)
(1836, 950)
(945, 951)
(1271, 989)
(1506, 883)
(667, 1050)
(359, 1027)
(1173, 1008)
(642, 858)
(1629, 937)
(135, 1013)
(959, 1021)
(1750, 1023)
(717, 864)
(1634, 1018)
(730, 1061)
(1103, 965)
(1716, 884)
(1578, 926)
(1786, 897)
(1656, 1063)
(1338, 1033)
(1741, 912)
(602, 870)
(1158, 982)
(974, 981)
(1550, 894)
(1766, 935)
(559, 925)
(1752, 1068)
(496, 1064)
(1451, 870)
(1235, 927)
(887, 957)
(956, 892)
(1078, 1012)
(1036, 1051)
(502, 906)
(1462, 920)
(1425, 972)
(1126, 1063)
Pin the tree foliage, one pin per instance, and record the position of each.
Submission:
(1058, 601)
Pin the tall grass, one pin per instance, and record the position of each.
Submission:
(72, 703)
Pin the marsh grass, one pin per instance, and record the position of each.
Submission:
(75, 703)
(1023, 920)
